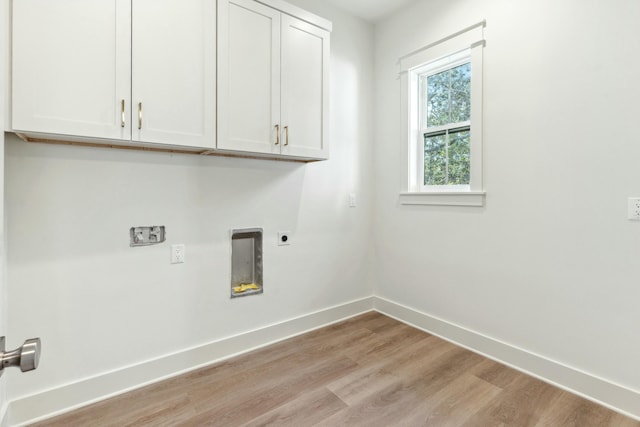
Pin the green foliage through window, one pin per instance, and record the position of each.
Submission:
(446, 105)
(447, 157)
(448, 96)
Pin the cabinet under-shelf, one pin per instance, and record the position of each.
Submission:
(159, 148)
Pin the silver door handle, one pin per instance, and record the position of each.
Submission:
(26, 357)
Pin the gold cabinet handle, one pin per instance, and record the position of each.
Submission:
(286, 141)
(277, 134)
(139, 115)
(122, 117)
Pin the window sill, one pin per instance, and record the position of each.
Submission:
(448, 198)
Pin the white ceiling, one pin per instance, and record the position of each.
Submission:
(371, 10)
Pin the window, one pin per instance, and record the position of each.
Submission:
(442, 132)
(444, 107)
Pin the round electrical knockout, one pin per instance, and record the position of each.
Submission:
(283, 238)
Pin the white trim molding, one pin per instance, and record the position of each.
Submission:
(444, 198)
(69, 397)
(470, 41)
(466, 37)
(66, 398)
(606, 393)
(4, 415)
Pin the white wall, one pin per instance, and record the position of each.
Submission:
(550, 263)
(545, 266)
(4, 60)
(3, 289)
(99, 305)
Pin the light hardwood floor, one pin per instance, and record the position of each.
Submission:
(367, 371)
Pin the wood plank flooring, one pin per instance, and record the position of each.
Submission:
(367, 371)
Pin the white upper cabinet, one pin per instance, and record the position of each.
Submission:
(173, 72)
(248, 77)
(141, 70)
(71, 67)
(273, 73)
(305, 89)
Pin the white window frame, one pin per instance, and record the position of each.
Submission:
(443, 54)
(431, 69)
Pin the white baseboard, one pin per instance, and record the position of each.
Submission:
(72, 396)
(4, 415)
(603, 392)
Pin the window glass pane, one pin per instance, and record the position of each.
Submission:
(459, 157)
(435, 159)
(438, 99)
(445, 103)
(461, 93)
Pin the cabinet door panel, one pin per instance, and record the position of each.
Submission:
(249, 76)
(71, 67)
(305, 89)
(173, 71)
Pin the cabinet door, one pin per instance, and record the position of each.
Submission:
(305, 89)
(173, 72)
(71, 67)
(248, 77)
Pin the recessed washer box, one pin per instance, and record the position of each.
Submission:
(246, 262)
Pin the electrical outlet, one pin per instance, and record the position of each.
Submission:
(634, 209)
(284, 238)
(177, 254)
(353, 202)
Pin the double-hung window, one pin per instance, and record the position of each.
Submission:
(442, 127)
(444, 107)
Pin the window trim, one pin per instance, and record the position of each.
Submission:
(411, 65)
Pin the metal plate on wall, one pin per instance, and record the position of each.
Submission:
(146, 235)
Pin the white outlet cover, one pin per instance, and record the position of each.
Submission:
(634, 208)
(177, 254)
(353, 201)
